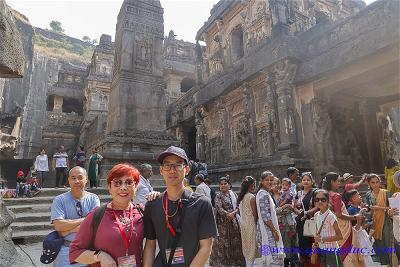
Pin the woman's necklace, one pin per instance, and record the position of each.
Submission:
(123, 219)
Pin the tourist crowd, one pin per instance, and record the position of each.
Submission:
(287, 221)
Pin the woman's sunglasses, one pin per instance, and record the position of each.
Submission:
(317, 199)
(127, 182)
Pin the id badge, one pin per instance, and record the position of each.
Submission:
(178, 257)
(127, 261)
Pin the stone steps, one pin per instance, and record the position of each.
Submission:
(28, 217)
(31, 226)
(29, 208)
(41, 200)
(32, 221)
(28, 237)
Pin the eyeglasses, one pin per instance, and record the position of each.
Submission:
(127, 183)
(79, 209)
(317, 199)
(176, 167)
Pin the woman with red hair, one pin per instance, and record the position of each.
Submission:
(119, 236)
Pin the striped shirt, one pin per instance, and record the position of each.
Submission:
(327, 230)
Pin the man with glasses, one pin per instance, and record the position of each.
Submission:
(180, 221)
(70, 209)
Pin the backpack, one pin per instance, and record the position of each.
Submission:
(98, 215)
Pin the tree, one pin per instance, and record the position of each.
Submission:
(86, 38)
(56, 26)
(94, 41)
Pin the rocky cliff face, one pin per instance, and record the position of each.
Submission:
(23, 105)
(11, 62)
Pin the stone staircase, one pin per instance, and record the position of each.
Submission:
(32, 222)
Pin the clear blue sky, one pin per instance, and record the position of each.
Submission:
(94, 17)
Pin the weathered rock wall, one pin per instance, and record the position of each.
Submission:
(43, 74)
(14, 99)
(11, 60)
(26, 97)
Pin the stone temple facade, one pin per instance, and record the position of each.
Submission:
(268, 84)
(282, 83)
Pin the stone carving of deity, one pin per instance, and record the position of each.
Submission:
(143, 52)
(322, 130)
(242, 135)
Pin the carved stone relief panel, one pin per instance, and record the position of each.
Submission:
(240, 138)
(143, 57)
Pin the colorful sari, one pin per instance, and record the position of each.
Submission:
(348, 259)
(389, 179)
(94, 169)
(382, 223)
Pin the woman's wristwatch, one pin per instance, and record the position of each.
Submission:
(96, 255)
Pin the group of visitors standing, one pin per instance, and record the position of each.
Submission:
(271, 220)
(181, 223)
(61, 164)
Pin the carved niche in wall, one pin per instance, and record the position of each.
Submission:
(240, 138)
(143, 58)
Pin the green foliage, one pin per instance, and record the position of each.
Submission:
(86, 38)
(62, 48)
(56, 26)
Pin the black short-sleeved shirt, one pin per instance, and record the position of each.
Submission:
(199, 223)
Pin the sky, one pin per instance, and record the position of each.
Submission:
(95, 17)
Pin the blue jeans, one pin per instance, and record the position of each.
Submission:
(23, 187)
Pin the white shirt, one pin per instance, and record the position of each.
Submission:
(61, 159)
(42, 163)
(143, 189)
(292, 189)
(204, 190)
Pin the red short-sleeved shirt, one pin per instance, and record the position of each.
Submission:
(108, 237)
(349, 186)
(336, 201)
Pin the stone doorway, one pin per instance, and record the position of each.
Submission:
(186, 135)
(191, 150)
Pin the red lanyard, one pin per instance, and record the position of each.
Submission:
(169, 226)
(122, 230)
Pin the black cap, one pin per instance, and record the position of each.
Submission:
(173, 150)
(51, 247)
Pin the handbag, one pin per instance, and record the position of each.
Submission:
(315, 257)
(310, 227)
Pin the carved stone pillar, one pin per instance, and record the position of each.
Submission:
(284, 72)
(224, 133)
(200, 116)
(272, 129)
(248, 107)
(322, 128)
(279, 14)
(182, 137)
(371, 130)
